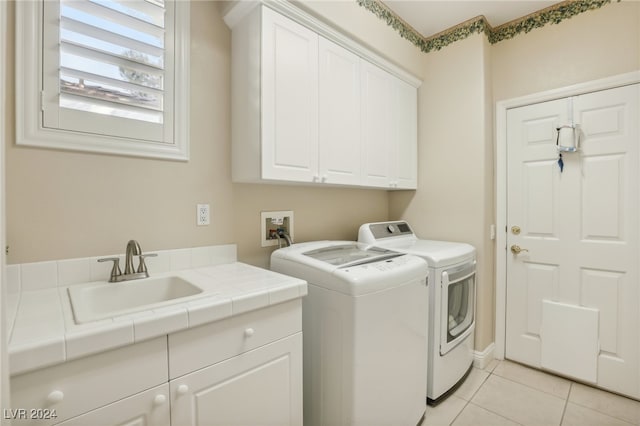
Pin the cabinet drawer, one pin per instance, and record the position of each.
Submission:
(200, 347)
(146, 408)
(79, 386)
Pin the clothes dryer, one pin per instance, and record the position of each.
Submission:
(364, 336)
(451, 326)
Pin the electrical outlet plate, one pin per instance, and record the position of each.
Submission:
(270, 221)
(202, 213)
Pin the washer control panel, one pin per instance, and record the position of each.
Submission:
(388, 229)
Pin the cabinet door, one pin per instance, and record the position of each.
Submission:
(259, 387)
(405, 136)
(339, 115)
(376, 125)
(146, 408)
(289, 99)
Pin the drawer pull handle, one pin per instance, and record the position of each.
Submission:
(159, 399)
(183, 389)
(249, 332)
(55, 397)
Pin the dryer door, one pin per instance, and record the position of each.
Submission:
(458, 305)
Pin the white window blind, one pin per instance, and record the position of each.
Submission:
(112, 58)
(110, 69)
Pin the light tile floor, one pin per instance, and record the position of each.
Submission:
(509, 394)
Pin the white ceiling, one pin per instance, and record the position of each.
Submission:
(430, 17)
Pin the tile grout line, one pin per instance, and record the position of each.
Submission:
(496, 414)
(531, 387)
(460, 412)
(567, 397)
(484, 408)
(467, 402)
(566, 403)
(601, 411)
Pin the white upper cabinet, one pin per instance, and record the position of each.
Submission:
(311, 106)
(389, 129)
(340, 139)
(404, 154)
(377, 126)
(289, 99)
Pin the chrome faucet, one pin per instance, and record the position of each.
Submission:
(133, 249)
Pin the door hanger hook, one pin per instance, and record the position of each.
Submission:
(575, 142)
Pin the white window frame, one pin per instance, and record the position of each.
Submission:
(30, 97)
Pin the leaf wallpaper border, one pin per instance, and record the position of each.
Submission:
(550, 15)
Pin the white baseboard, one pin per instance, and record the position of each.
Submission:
(481, 359)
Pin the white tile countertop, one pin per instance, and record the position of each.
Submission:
(43, 331)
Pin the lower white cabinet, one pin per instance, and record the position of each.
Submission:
(259, 387)
(243, 370)
(54, 394)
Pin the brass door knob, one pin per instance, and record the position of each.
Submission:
(515, 249)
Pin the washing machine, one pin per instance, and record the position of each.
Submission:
(364, 336)
(451, 326)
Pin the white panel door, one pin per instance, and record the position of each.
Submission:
(377, 130)
(262, 387)
(578, 231)
(339, 115)
(532, 188)
(289, 99)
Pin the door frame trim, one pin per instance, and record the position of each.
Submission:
(4, 316)
(501, 181)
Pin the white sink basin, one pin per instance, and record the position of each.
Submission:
(98, 301)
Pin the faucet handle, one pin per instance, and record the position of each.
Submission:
(142, 267)
(115, 270)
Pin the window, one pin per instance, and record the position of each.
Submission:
(104, 75)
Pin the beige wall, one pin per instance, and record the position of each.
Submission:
(455, 196)
(319, 214)
(590, 46)
(67, 204)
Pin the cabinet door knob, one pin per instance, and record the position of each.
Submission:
(55, 397)
(159, 399)
(249, 332)
(183, 389)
